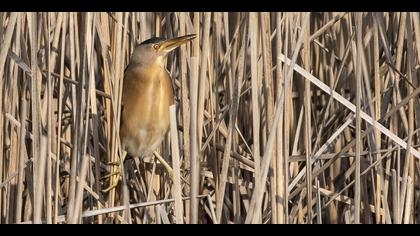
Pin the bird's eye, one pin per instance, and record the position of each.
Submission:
(155, 46)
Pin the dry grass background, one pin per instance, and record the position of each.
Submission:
(271, 108)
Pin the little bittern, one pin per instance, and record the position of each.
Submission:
(146, 97)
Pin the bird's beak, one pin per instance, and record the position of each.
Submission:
(170, 44)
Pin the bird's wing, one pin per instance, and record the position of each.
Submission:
(172, 82)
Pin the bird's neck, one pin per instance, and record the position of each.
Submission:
(157, 62)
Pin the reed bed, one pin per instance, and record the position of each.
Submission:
(279, 118)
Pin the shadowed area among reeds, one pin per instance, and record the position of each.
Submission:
(279, 118)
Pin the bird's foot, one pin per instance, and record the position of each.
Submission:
(110, 175)
(114, 177)
(113, 185)
(114, 181)
(113, 163)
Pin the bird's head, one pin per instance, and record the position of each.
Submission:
(155, 50)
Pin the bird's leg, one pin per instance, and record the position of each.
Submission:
(168, 167)
(113, 163)
(111, 174)
(164, 163)
(114, 177)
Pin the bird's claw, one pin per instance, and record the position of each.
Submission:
(114, 176)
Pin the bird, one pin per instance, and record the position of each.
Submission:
(147, 95)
